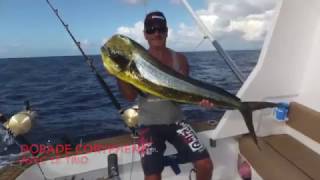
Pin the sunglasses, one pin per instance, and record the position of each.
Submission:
(152, 30)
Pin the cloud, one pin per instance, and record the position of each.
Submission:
(12, 49)
(180, 39)
(3, 50)
(252, 27)
(249, 17)
(88, 46)
(135, 32)
(184, 38)
(135, 2)
(235, 8)
(15, 49)
(175, 1)
(85, 44)
(242, 24)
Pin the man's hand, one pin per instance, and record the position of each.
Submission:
(206, 103)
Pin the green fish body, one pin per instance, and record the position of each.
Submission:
(130, 62)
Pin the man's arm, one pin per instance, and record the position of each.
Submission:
(127, 90)
(183, 63)
(185, 70)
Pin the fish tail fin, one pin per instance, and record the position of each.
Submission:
(246, 110)
(260, 105)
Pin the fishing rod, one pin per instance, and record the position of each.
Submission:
(215, 43)
(89, 61)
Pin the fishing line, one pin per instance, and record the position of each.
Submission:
(38, 164)
(145, 6)
(89, 61)
(132, 157)
(225, 56)
(200, 43)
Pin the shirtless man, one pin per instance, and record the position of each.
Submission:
(162, 120)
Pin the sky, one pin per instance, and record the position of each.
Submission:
(29, 28)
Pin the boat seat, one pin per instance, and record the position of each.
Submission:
(282, 156)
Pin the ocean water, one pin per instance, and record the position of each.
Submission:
(70, 102)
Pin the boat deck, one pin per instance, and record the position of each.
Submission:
(285, 156)
(11, 172)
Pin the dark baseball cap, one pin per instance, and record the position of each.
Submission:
(155, 19)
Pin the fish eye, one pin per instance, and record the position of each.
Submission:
(120, 59)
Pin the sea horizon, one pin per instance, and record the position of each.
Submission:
(49, 56)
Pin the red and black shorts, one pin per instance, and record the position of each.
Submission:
(152, 145)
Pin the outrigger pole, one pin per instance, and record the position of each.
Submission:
(215, 43)
(89, 62)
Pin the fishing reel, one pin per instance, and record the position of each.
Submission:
(130, 116)
(21, 122)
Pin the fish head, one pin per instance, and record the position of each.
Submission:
(117, 54)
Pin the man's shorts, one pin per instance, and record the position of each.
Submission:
(152, 145)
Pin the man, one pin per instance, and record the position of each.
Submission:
(162, 120)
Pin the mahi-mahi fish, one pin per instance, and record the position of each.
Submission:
(130, 62)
